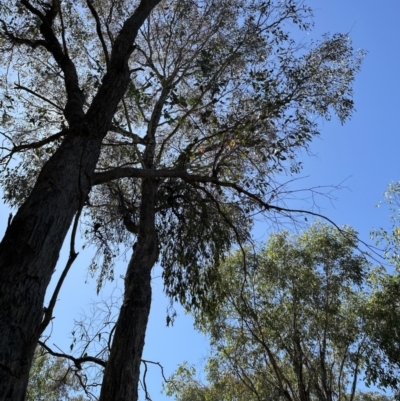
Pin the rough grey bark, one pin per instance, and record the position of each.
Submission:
(30, 248)
(29, 252)
(121, 377)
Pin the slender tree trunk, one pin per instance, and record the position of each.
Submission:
(121, 377)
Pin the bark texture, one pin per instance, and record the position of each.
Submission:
(29, 252)
(121, 377)
(30, 248)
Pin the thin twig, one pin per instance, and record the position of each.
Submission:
(161, 368)
(18, 86)
(144, 385)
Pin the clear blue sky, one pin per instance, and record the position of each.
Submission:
(365, 151)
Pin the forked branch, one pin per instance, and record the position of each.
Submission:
(77, 361)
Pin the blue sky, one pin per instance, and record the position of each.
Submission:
(364, 152)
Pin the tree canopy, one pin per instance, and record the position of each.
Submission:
(51, 379)
(293, 324)
(220, 96)
(383, 307)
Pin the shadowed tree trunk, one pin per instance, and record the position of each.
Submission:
(30, 248)
(28, 255)
(121, 377)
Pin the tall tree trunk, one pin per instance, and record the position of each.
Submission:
(121, 377)
(31, 245)
(29, 252)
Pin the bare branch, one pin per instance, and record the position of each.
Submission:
(48, 312)
(147, 396)
(160, 366)
(77, 361)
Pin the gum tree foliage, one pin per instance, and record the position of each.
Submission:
(390, 239)
(384, 307)
(383, 314)
(51, 379)
(291, 326)
(184, 386)
(179, 124)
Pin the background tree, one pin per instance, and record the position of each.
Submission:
(382, 311)
(290, 325)
(193, 128)
(51, 379)
(184, 385)
(390, 239)
(383, 307)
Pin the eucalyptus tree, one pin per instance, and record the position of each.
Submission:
(384, 307)
(220, 99)
(48, 54)
(383, 313)
(180, 121)
(290, 326)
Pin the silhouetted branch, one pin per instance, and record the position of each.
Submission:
(77, 361)
(18, 86)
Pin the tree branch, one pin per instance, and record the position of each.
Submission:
(160, 366)
(126, 172)
(77, 361)
(139, 156)
(136, 139)
(123, 44)
(18, 86)
(48, 312)
(117, 78)
(75, 99)
(57, 7)
(21, 41)
(98, 30)
(33, 9)
(39, 144)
